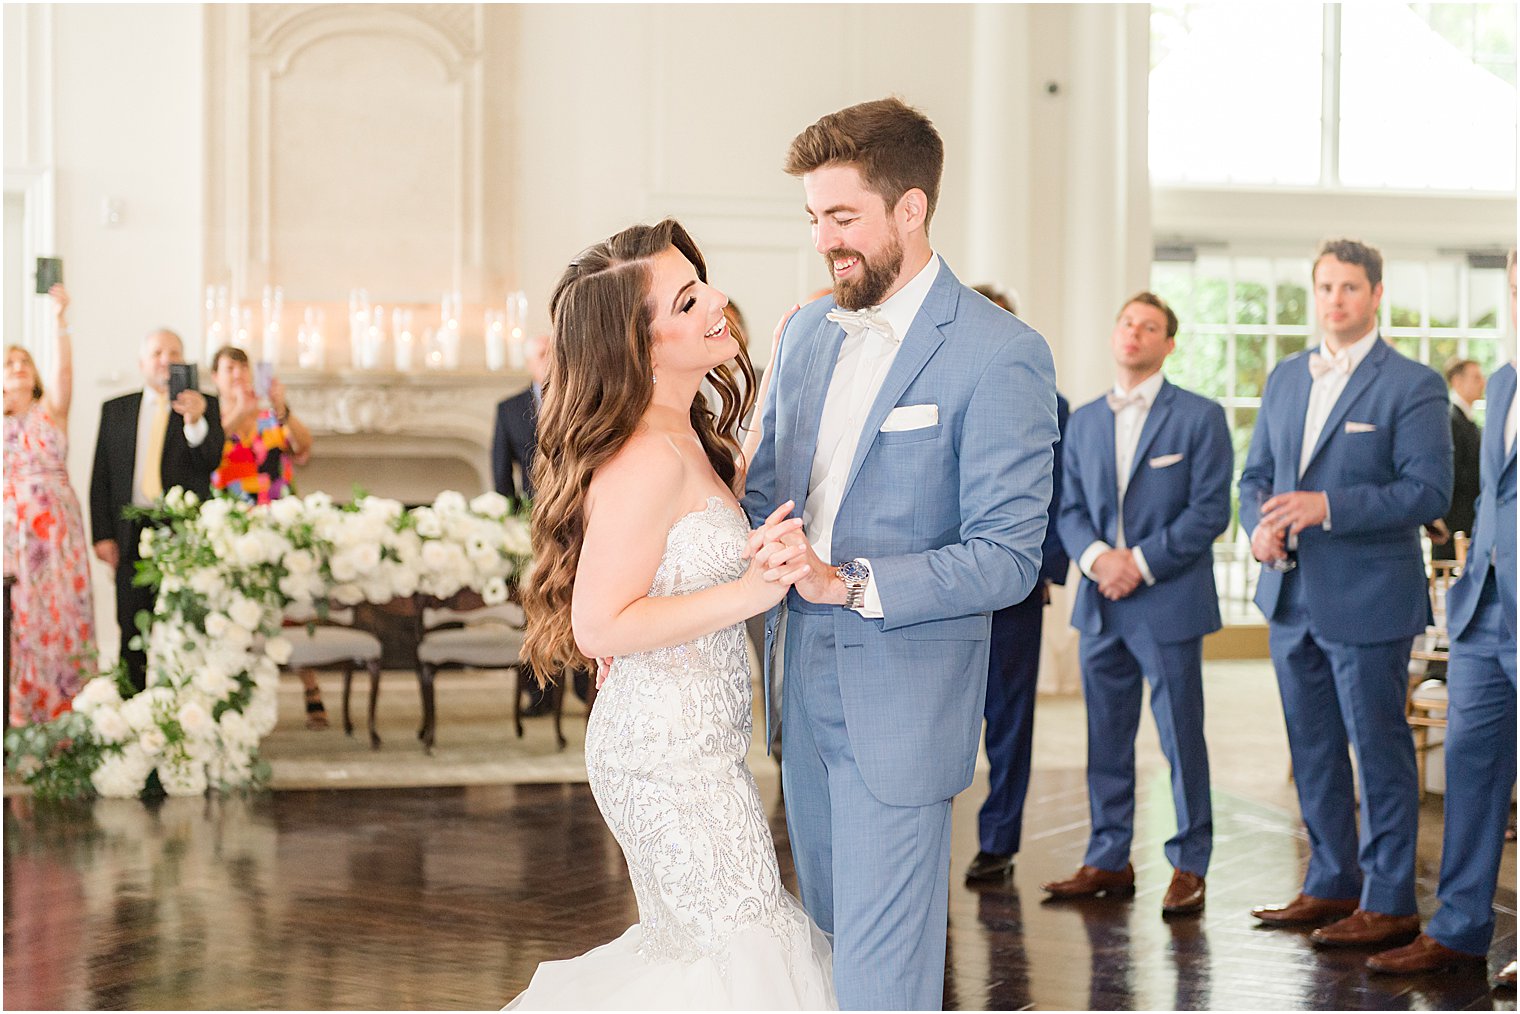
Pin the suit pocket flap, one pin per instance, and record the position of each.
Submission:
(957, 628)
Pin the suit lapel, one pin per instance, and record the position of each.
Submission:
(1299, 384)
(1495, 460)
(921, 342)
(1154, 420)
(1356, 384)
(822, 360)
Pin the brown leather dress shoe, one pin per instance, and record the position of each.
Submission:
(1090, 881)
(1184, 896)
(1305, 910)
(1426, 954)
(1506, 978)
(1365, 929)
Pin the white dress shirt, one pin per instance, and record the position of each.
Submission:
(859, 372)
(1129, 423)
(1465, 407)
(147, 411)
(1323, 395)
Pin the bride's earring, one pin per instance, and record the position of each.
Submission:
(654, 378)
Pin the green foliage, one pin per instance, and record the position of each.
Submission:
(55, 758)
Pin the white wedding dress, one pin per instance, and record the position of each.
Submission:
(665, 752)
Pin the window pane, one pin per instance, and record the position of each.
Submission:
(1404, 292)
(1235, 92)
(1287, 344)
(1250, 365)
(1418, 109)
(1199, 363)
(1292, 298)
(1211, 291)
(1444, 284)
(1410, 347)
(1487, 292)
(1251, 277)
(1243, 424)
(1489, 354)
(1174, 283)
(1442, 351)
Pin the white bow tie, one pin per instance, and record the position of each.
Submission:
(1321, 364)
(871, 318)
(1118, 403)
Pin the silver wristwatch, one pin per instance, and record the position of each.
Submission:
(855, 574)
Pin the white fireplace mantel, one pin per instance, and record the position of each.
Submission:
(402, 435)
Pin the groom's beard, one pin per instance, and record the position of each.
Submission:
(875, 280)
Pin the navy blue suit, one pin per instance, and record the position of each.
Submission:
(1176, 504)
(1480, 682)
(1013, 673)
(515, 440)
(1342, 622)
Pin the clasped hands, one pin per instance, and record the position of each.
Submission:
(1117, 573)
(781, 556)
(1283, 515)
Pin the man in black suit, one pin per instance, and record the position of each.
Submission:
(1465, 378)
(1013, 672)
(516, 439)
(146, 446)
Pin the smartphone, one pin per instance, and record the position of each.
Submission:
(263, 373)
(49, 273)
(182, 377)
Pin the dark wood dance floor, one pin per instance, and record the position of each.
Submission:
(448, 898)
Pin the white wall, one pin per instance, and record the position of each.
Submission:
(125, 97)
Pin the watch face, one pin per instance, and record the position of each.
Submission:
(854, 572)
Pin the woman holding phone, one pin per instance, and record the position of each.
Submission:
(263, 441)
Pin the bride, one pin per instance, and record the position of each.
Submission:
(643, 553)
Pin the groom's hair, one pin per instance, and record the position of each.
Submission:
(894, 146)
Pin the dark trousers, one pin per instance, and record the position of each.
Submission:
(1013, 670)
(130, 599)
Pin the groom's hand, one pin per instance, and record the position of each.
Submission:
(822, 585)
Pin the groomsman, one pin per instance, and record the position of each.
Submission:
(1013, 675)
(1465, 378)
(1480, 733)
(1351, 455)
(1146, 493)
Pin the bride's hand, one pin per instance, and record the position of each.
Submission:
(603, 670)
(776, 526)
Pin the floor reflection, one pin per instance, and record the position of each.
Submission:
(449, 898)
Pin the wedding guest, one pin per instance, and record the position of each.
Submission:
(52, 640)
(1013, 672)
(263, 437)
(262, 443)
(1147, 491)
(1480, 716)
(147, 445)
(516, 437)
(1465, 379)
(1350, 456)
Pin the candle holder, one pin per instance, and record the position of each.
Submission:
(496, 340)
(401, 325)
(313, 351)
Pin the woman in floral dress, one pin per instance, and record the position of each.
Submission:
(52, 644)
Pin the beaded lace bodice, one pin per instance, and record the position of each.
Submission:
(665, 751)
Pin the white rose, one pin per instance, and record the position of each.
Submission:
(236, 729)
(246, 613)
(108, 725)
(99, 692)
(145, 544)
(248, 550)
(190, 499)
(174, 497)
(318, 501)
(121, 775)
(195, 719)
(138, 712)
(450, 502)
(207, 583)
(216, 626)
(278, 649)
(492, 504)
(299, 562)
(348, 594)
(214, 514)
(152, 741)
(214, 683)
(428, 524)
(287, 510)
(495, 592)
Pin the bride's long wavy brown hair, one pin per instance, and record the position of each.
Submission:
(599, 384)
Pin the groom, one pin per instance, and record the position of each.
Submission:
(914, 421)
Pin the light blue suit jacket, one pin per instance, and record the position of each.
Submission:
(1176, 504)
(1494, 541)
(951, 517)
(1384, 459)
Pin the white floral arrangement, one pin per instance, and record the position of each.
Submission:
(227, 573)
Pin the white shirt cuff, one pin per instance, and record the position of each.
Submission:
(195, 433)
(1326, 524)
(1145, 570)
(871, 608)
(1091, 553)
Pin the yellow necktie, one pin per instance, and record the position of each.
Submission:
(153, 476)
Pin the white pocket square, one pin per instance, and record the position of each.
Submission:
(910, 417)
(1356, 427)
(1163, 460)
